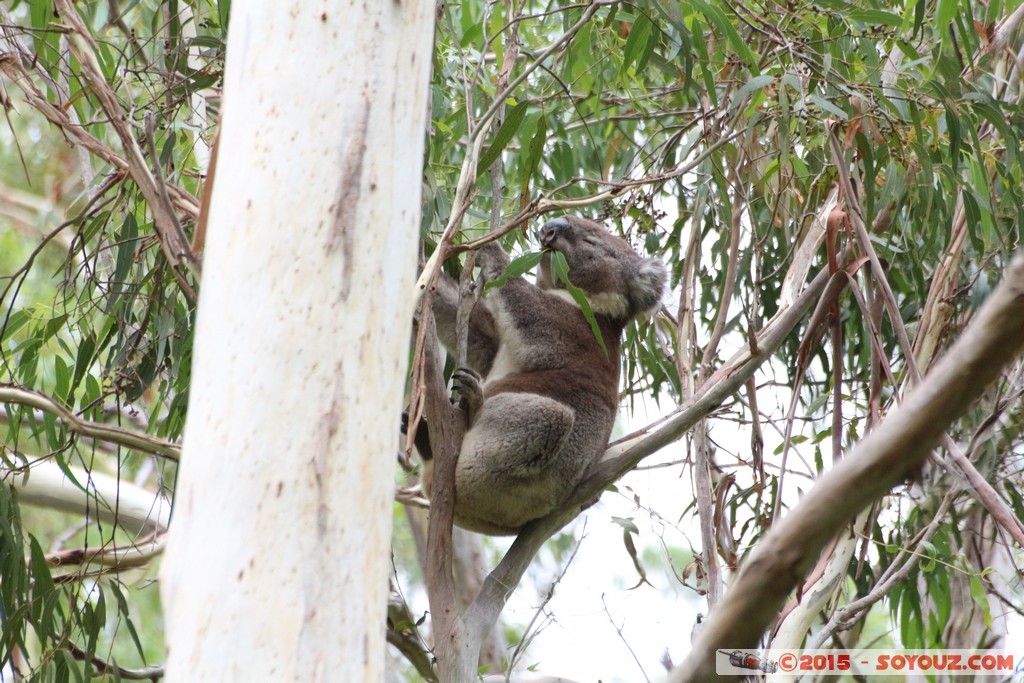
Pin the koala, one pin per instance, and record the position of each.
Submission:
(541, 394)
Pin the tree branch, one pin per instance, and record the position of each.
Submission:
(404, 636)
(118, 435)
(105, 668)
(92, 494)
(882, 460)
(897, 571)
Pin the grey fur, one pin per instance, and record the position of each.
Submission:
(546, 408)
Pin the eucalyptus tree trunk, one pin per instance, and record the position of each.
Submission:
(277, 567)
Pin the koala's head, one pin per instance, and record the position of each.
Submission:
(618, 282)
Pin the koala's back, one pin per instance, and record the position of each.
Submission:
(549, 408)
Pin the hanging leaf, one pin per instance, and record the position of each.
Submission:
(508, 129)
(560, 271)
(639, 44)
(519, 266)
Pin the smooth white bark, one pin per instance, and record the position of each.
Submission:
(107, 498)
(814, 596)
(277, 564)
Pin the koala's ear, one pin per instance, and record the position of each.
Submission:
(647, 286)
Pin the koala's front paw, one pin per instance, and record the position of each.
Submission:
(467, 383)
(492, 260)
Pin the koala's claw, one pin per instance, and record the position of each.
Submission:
(466, 382)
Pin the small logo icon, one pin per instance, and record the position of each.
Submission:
(748, 660)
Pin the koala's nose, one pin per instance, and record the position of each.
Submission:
(551, 230)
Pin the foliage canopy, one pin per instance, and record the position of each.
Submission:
(716, 134)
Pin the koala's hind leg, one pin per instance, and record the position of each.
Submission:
(506, 474)
(512, 437)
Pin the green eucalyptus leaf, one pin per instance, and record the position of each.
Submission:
(560, 272)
